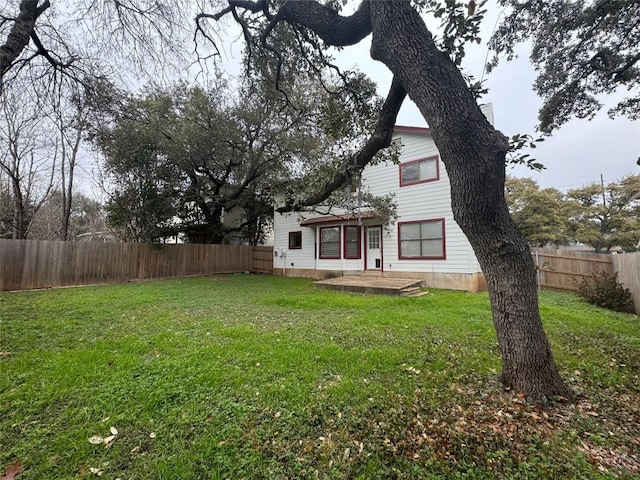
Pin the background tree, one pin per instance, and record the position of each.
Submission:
(86, 218)
(69, 115)
(142, 185)
(214, 165)
(607, 216)
(6, 209)
(582, 50)
(28, 157)
(541, 215)
(52, 44)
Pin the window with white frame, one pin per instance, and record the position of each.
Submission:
(374, 239)
(422, 240)
(419, 171)
(330, 242)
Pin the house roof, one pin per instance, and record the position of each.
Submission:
(342, 218)
(406, 129)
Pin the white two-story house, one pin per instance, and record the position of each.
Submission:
(424, 242)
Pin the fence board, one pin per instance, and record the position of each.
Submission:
(561, 270)
(627, 266)
(28, 264)
(263, 260)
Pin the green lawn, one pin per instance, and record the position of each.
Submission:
(245, 376)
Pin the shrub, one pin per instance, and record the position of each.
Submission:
(603, 290)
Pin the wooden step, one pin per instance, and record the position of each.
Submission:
(409, 291)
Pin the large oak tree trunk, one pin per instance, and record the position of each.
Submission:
(474, 155)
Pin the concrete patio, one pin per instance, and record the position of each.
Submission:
(400, 287)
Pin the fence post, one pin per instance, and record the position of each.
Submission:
(538, 273)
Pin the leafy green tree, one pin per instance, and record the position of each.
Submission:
(581, 50)
(144, 187)
(6, 212)
(607, 216)
(541, 215)
(206, 166)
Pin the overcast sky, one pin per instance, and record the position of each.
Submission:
(575, 155)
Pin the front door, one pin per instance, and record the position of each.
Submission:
(374, 248)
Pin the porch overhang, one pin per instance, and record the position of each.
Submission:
(341, 219)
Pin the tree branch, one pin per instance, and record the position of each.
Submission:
(329, 25)
(325, 22)
(20, 33)
(380, 138)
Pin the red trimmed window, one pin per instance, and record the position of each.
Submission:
(330, 242)
(352, 249)
(422, 240)
(295, 240)
(419, 171)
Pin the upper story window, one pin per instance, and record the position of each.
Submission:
(330, 242)
(421, 240)
(295, 240)
(419, 171)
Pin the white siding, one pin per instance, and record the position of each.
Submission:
(422, 201)
(301, 258)
(305, 258)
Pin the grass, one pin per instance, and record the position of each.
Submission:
(246, 376)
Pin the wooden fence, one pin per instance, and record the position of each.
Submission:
(262, 260)
(627, 265)
(28, 264)
(562, 270)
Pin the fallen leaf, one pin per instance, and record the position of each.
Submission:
(95, 471)
(96, 440)
(152, 435)
(345, 456)
(11, 471)
(113, 431)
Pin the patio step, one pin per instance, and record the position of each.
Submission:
(410, 291)
(419, 294)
